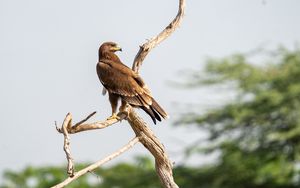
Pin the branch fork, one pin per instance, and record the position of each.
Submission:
(81, 126)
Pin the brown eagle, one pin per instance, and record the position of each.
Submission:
(123, 83)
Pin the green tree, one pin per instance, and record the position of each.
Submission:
(257, 134)
(140, 174)
(125, 175)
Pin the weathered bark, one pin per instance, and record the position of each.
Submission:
(163, 165)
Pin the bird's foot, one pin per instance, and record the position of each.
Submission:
(113, 116)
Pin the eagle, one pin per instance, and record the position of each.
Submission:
(122, 83)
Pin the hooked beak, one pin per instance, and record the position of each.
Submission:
(116, 48)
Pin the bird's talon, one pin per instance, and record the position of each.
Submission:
(113, 116)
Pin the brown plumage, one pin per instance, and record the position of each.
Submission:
(122, 83)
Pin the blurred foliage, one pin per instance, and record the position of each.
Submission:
(257, 135)
(139, 174)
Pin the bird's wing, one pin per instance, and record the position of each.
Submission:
(121, 80)
(142, 84)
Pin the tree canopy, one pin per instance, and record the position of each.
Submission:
(258, 133)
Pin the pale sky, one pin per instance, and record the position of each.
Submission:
(48, 54)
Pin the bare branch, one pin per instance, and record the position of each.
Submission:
(78, 127)
(67, 122)
(98, 163)
(162, 163)
(67, 128)
(153, 42)
(84, 120)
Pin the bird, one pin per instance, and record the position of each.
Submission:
(123, 84)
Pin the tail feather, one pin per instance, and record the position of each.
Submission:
(159, 109)
(155, 114)
(151, 113)
(155, 111)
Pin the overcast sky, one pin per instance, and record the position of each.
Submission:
(48, 54)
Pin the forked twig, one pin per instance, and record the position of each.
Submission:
(67, 123)
(79, 127)
(84, 120)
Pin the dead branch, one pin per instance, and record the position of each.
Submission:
(153, 42)
(67, 123)
(143, 132)
(98, 163)
(79, 127)
(163, 165)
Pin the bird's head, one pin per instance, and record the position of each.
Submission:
(109, 47)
